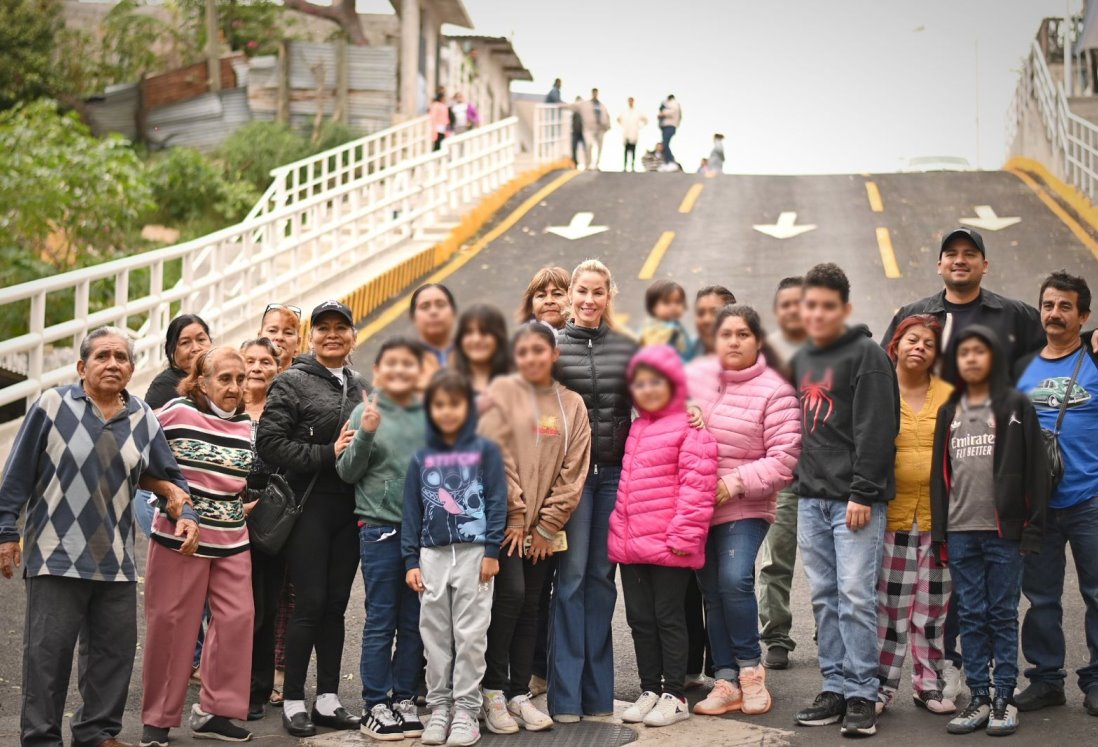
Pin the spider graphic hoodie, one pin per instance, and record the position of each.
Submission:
(454, 494)
(850, 415)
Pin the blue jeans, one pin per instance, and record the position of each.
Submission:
(728, 583)
(987, 586)
(1043, 585)
(581, 647)
(668, 132)
(392, 609)
(842, 568)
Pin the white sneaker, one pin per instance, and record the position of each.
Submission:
(527, 715)
(669, 710)
(496, 716)
(438, 725)
(700, 680)
(635, 713)
(464, 730)
(953, 679)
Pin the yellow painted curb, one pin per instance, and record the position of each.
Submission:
(1030, 171)
(441, 257)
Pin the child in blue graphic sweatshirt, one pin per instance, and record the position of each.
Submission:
(455, 508)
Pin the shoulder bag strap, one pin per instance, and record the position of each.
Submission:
(1070, 386)
(339, 427)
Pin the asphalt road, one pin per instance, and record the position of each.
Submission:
(714, 242)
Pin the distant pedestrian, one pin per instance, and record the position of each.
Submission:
(596, 122)
(631, 121)
(703, 167)
(715, 162)
(653, 159)
(577, 133)
(670, 118)
(553, 97)
(463, 115)
(440, 118)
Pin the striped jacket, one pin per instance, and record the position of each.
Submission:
(215, 455)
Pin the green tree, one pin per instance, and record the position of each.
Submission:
(65, 195)
(27, 32)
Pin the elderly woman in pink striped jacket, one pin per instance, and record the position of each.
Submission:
(755, 417)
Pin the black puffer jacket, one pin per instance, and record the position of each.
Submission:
(593, 364)
(301, 421)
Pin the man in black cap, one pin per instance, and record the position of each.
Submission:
(962, 263)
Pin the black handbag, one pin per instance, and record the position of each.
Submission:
(1052, 438)
(274, 515)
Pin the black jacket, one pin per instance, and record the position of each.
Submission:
(164, 388)
(1015, 323)
(1022, 482)
(301, 421)
(850, 407)
(593, 363)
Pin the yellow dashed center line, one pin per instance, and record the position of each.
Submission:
(690, 198)
(888, 254)
(874, 196)
(656, 255)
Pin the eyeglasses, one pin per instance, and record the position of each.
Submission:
(288, 307)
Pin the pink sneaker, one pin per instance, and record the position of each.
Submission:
(756, 698)
(725, 697)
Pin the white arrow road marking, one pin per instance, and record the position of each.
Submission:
(579, 228)
(988, 220)
(785, 228)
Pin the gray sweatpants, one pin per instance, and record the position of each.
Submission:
(454, 613)
(103, 616)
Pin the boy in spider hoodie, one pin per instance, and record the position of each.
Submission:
(850, 414)
(455, 509)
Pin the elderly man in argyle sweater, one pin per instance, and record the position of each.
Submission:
(79, 457)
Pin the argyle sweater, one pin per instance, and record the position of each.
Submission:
(77, 475)
(215, 455)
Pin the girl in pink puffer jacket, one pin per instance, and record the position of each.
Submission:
(658, 529)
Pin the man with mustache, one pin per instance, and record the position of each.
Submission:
(1073, 508)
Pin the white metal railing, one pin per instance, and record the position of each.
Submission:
(283, 253)
(344, 163)
(552, 132)
(1074, 140)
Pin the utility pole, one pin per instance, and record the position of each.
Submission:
(213, 54)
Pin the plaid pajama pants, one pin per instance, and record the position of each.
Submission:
(912, 597)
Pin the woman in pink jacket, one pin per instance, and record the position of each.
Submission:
(658, 528)
(755, 417)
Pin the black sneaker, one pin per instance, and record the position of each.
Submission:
(221, 729)
(1090, 702)
(860, 719)
(154, 736)
(256, 711)
(408, 716)
(1039, 695)
(974, 716)
(776, 658)
(827, 708)
(380, 723)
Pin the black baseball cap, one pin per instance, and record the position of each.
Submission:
(333, 307)
(969, 234)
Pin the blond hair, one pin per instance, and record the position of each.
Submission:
(597, 267)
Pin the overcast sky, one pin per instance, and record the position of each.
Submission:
(797, 86)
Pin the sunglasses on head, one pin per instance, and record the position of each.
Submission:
(288, 307)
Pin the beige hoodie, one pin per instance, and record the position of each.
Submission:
(545, 437)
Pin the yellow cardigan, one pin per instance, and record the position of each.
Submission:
(914, 449)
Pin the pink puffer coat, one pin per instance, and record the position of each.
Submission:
(668, 479)
(756, 418)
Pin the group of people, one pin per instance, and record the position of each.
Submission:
(489, 487)
(591, 121)
(449, 117)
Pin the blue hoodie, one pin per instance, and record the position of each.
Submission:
(454, 494)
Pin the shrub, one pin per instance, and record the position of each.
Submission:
(255, 149)
(188, 186)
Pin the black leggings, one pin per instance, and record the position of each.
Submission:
(656, 612)
(268, 578)
(322, 561)
(516, 610)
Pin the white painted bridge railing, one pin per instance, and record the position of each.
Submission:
(552, 132)
(1074, 140)
(322, 223)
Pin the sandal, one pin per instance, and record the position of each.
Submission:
(276, 691)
